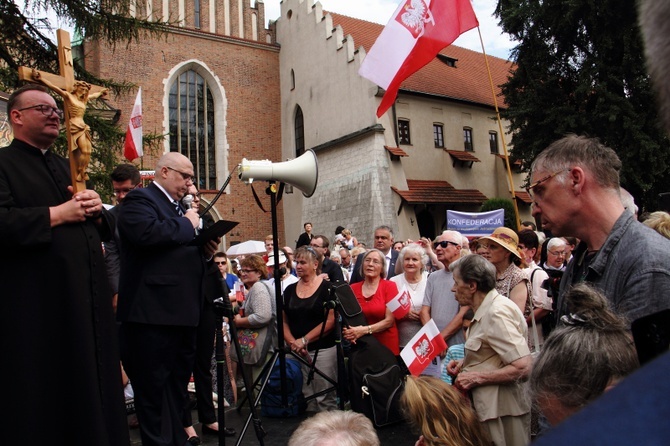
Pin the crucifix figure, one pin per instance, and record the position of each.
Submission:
(75, 95)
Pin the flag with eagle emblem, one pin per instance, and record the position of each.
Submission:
(417, 31)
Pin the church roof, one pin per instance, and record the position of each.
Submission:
(466, 81)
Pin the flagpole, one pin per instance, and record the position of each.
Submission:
(502, 134)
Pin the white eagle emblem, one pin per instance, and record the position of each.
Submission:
(414, 15)
(423, 349)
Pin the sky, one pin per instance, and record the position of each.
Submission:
(496, 43)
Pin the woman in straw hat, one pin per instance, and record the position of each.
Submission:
(504, 253)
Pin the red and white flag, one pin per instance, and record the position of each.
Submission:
(422, 348)
(132, 147)
(417, 31)
(400, 304)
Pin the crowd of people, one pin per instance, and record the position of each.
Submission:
(538, 323)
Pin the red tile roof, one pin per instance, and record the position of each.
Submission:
(462, 155)
(523, 196)
(439, 192)
(514, 163)
(468, 81)
(397, 151)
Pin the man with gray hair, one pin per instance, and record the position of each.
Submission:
(439, 302)
(383, 241)
(574, 186)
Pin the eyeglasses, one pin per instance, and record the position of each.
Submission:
(124, 191)
(557, 253)
(531, 188)
(46, 110)
(444, 244)
(247, 271)
(221, 263)
(184, 175)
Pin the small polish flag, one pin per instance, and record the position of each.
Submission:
(422, 348)
(400, 304)
(132, 147)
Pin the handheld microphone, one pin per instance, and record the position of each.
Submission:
(187, 201)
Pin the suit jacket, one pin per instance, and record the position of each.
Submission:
(161, 274)
(356, 275)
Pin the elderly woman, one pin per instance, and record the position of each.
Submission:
(587, 355)
(256, 327)
(511, 281)
(497, 358)
(556, 252)
(373, 293)
(412, 260)
(441, 414)
(303, 323)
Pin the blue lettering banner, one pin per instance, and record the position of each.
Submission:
(475, 224)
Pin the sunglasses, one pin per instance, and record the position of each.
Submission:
(221, 263)
(444, 244)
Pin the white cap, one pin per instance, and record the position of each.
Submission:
(271, 259)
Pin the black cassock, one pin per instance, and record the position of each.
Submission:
(60, 371)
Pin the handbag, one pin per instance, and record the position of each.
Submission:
(255, 342)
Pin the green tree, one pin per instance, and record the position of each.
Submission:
(506, 204)
(23, 42)
(580, 68)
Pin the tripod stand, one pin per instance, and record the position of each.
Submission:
(222, 307)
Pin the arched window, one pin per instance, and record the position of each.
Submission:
(191, 111)
(299, 132)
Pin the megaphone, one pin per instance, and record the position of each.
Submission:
(302, 172)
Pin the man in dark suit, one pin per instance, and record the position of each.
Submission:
(383, 241)
(160, 298)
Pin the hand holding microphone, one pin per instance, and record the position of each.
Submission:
(191, 214)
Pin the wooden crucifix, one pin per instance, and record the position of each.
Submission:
(75, 96)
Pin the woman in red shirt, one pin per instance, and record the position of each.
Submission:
(373, 294)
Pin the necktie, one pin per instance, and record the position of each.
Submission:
(178, 208)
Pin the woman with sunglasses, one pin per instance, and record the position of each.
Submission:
(303, 324)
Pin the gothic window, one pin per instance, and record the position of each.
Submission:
(299, 127)
(192, 120)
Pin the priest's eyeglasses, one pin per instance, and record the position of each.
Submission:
(46, 110)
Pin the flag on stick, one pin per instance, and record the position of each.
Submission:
(422, 348)
(132, 147)
(417, 31)
(400, 304)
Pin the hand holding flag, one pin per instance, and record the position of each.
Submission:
(401, 304)
(422, 348)
(417, 31)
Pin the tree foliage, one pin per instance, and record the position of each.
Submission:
(506, 204)
(24, 42)
(580, 68)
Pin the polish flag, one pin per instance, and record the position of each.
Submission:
(422, 348)
(400, 304)
(417, 31)
(132, 147)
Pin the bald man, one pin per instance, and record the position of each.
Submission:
(160, 297)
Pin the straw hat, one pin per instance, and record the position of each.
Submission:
(506, 238)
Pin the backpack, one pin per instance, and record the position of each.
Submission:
(271, 398)
(376, 379)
